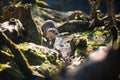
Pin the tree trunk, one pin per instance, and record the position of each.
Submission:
(111, 17)
(23, 13)
(94, 5)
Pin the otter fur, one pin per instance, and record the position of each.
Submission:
(49, 33)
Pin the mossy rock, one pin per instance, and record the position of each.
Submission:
(37, 54)
(47, 59)
(85, 42)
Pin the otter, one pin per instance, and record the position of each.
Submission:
(49, 33)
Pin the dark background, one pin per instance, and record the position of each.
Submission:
(68, 5)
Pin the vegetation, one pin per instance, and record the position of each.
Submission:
(80, 34)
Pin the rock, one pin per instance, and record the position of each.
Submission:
(46, 61)
(104, 66)
(43, 61)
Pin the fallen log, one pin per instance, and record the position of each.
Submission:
(73, 26)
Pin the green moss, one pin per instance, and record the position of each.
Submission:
(52, 57)
(79, 52)
(86, 32)
(95, 44)
(38, 55)
(83, 49)
(46, 58)
(4, 66)
(89, 40)
(98, 32)
(91, 43)
(83, 52)
(49, 70)
(34, 58)
(23, 46)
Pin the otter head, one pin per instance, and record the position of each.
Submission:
(51, 33)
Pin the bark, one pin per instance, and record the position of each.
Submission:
(94, 5)
(2, 4)
(23, 13)
(111, 17)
